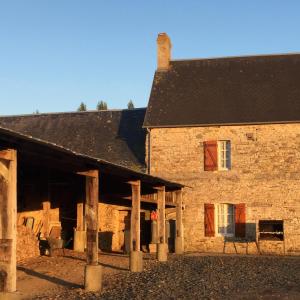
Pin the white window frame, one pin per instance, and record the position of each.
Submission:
(224, 155)
(225, 234)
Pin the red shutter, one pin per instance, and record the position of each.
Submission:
(209, 219)
(240, 220)
(210, 155)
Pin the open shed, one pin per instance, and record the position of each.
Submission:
(50, 189)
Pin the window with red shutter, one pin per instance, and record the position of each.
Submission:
(209, 219)
(240, 220)
(225, 219)
(210, 155)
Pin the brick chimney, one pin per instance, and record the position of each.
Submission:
(163, 52)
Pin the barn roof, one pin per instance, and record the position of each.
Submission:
(230, 90)
(69, 160)
(112, 135)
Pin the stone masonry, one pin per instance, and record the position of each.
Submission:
(265, 175)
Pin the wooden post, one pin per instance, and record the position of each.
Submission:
(79, 232)
(179, 246)
(136, 256)
(8, 216)
(91, 215)
(93, 271)
(161, 218)
(162, 246)
(46, 218)
(80, 221)
(135, 238)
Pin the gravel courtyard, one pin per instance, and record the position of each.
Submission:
(192, 276)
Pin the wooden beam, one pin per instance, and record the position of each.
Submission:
(7, 155)
(159, 188)
(135, 230)
(90, 173)
(144, 198)
(161, 218)
(91, 215)
(136, 182)
(8, 216)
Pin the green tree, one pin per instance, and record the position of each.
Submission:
(82, 107)
(102, 105)
(130, 105)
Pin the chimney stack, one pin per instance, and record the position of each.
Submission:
(163, 52)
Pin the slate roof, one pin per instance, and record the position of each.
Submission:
(25, 144)
(230, 90)
(114, 135)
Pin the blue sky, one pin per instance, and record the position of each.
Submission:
(55, 54)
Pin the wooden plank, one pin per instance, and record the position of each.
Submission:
(91, 214)
(209, 219)
(161, 220)
(135, 216)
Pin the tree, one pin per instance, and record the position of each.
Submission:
(102, 105)
(82, 107)
(130, 105)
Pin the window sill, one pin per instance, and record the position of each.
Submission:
(227, 235)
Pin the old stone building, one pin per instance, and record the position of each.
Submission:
(229, 129)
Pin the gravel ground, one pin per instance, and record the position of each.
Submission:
(197, 277)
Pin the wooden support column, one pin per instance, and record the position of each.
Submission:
(136, 256)
(162, 247)
(8, 216)
(93, 271)
(46, 218)
(91, 215)
(80, 218)
(79, 232)
(161, 217)
(179, 245)
(135, 229)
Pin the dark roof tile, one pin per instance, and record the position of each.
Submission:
(233, 90)
(113, 135)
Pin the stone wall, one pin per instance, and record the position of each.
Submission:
(27, 243)
(112, 223)
(265, 174)
(39, 219)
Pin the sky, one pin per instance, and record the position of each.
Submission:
(56, 54)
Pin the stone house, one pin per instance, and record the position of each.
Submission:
(229, 130)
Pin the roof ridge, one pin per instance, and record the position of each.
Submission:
(235, 56)
(71, 112)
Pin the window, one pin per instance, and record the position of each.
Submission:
(225, 219)
(217, 155)
(224, 155)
